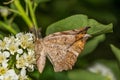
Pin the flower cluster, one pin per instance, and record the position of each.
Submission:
(103, 70)
(16, 56)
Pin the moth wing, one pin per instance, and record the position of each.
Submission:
(63, 49)
(40, 55)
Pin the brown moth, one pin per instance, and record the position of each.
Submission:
(61, 48)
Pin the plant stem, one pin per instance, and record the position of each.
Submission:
(32, 13)
(116, 52)
(23, 14)
(8, 27)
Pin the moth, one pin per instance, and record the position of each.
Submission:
(61, 48)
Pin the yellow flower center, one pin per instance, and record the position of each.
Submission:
(2, 70)
(21, 63)
(12, 48)
(3, 45)
(8, 78)
(1, 58)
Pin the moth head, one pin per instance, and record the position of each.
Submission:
(36, 32)
(84, 30)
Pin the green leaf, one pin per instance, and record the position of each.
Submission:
(92, 44)
(85, 75)
(98, 28)
(71, 22)
(60, 76)
(77, 21)
(116, 51)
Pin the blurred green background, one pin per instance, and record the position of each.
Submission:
(104, 11)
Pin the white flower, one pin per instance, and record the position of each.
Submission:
(31, 56)
(3, 70)
(103, 70)
(31, 36)
(20, 51)
(10, 75)
(26, 60)
(20, 62)
(4, 63)
(13, 48)
(7, 74)
(2, 45)
(4, 56)
(1, 77)
(25, 40)
(23, 71)
(18, 36)
(9, 40)
(23, 75)
(30, 68)
(22, 45)
(9, 43)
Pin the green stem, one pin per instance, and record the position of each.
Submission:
(8, 27)
(5, 18)
(23, 14)
(116, 52)
(35, 6)
(26, 8)
(32, 13)
(12, 61)
(12, 18)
